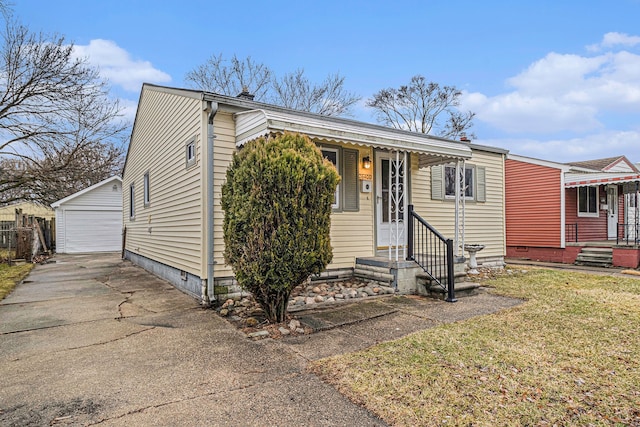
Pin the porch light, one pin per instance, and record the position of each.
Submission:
(366, 162)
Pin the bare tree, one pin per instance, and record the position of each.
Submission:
(231, 77)
(421, 106)
(55, 115)
(58, 174)
(328, 98)
(293, 90)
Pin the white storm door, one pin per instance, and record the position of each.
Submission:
(391, 200)
(612, 212)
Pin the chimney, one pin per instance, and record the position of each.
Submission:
(463, 137)
(245, 94)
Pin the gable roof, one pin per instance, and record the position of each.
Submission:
(618, 164)
(86, 190)
(255, 119)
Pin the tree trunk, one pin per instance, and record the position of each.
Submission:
(275, 306)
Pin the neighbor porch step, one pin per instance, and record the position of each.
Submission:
(595, 257)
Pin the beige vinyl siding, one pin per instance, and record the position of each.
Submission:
(169, 229)
(223, 149)
(351, 232)
(484, 221)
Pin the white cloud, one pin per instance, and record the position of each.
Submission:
(594, 146)
(563, 92)
(117, 65)
(611, 40)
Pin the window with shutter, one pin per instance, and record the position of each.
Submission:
(350, 180)
(347, 197)
(437, 182)
(443, 182)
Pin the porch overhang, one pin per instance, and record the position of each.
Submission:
(573, 180)
(254, 124)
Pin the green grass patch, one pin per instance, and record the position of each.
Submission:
(570, 355)
(10, 276)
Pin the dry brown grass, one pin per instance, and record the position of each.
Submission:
(12, 275)
(570, 355)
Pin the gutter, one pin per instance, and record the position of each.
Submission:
(208, 289)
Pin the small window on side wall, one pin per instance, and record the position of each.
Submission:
(190, 151)
(147, 197)
(132, 201)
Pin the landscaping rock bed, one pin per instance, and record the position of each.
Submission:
(247, 315)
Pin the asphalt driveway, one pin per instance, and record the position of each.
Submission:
(93, 340)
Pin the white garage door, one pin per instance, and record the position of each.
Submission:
(93, 231)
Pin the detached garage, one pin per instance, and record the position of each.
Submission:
(90, 220)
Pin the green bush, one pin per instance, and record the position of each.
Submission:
(277, 202)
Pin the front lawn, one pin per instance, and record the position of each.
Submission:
(10, 276)
(570, 355)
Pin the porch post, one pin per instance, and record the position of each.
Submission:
(460, 185)
(405, 186)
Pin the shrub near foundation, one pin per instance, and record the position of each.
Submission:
(277, 202)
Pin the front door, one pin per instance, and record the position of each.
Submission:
(612, 211)
(391, 202)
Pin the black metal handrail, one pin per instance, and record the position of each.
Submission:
(432, 252)
(571, 232)
(628, 233)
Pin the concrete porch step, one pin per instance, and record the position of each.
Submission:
(375, 272)
(462, 289)
(425, 279)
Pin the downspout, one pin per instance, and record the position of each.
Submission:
(207, 286)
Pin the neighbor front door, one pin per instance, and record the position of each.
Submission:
(612, 211)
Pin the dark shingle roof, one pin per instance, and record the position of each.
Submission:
(597, 164)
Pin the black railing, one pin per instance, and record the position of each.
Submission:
(571, 232)
(432, 252)
(628, 234)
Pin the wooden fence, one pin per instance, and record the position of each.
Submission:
(26, 237)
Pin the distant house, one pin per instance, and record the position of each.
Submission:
(585, 212)
(91, 219)
(182, 144)
(8, 212)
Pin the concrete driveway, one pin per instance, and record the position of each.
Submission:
(93, 340)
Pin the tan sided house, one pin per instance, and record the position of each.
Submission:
(405, 207)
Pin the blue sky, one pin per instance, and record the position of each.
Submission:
(557, 80)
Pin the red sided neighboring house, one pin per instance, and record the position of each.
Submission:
(583, 212)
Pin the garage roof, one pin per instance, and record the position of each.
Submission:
(86, 190)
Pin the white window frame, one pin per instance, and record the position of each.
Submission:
(147, 195)
(588, 214)
(336, 205)
(472, 187)
(190, 152)
(132, 201)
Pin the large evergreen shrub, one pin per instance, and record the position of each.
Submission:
(277, 202)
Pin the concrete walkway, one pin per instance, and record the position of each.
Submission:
(93, 340)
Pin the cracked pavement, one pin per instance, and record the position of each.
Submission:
(93, 340)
